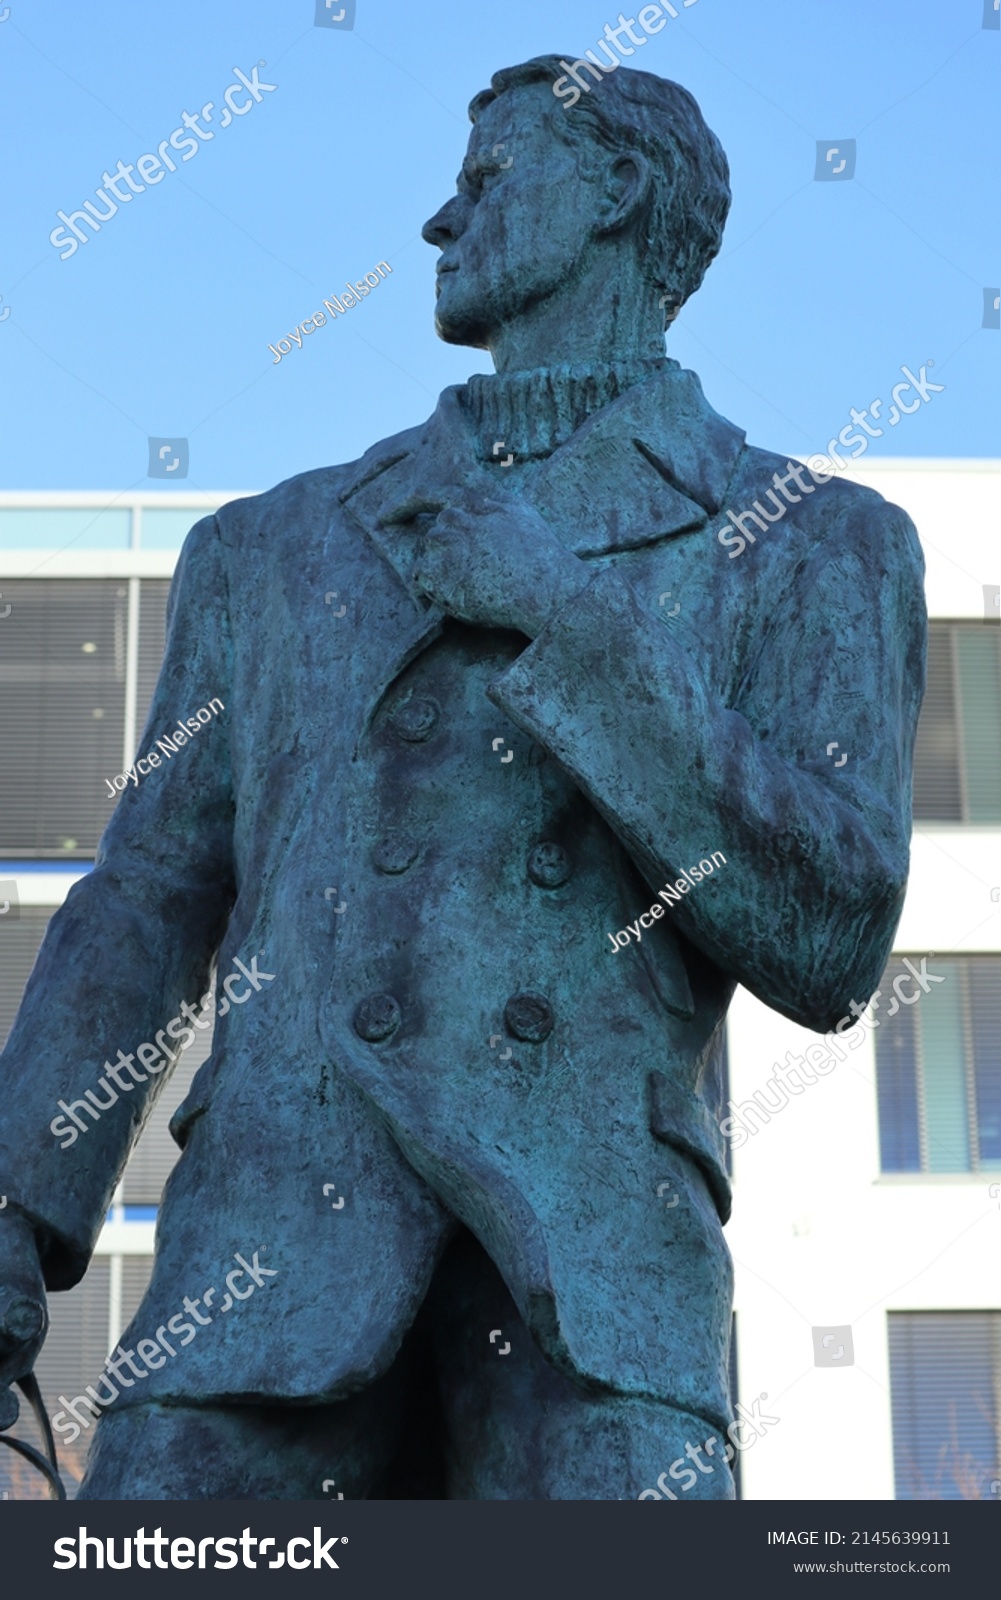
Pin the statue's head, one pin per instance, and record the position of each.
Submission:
(626, 186)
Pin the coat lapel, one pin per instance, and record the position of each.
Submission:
(666, 442)
(404, 469)
(437, 456)
(661, 439)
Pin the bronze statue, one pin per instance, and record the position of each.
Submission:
(448, 1217)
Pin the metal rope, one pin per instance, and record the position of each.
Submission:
(48, 1464)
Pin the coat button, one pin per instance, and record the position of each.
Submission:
(395, 853)
(416, 719)
(376, 1018)
(549, 865)
(529, 1017)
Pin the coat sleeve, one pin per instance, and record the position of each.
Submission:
(816, 855)
(135, 937)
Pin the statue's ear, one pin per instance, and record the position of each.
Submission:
(628, 182)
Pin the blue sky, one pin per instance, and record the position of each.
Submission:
(160, 324)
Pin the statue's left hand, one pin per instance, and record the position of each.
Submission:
(491, 561)
(23, 1316)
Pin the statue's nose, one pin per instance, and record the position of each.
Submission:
(447, 224)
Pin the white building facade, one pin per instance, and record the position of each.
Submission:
(870, 1204)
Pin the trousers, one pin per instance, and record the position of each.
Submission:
(470, 1409)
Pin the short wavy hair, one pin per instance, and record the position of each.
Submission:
(631, 110)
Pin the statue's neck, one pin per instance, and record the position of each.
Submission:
(530, 414)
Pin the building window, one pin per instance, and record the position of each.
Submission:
(74, 693)
(938, 1068)
(152, 641)
(945, 1385)
(62, 528)
(957, 758)
(62, 713)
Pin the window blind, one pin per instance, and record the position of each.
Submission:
(62, 713)
(938, 1068)
(945, 1383)
(957, 757)
(153, 594)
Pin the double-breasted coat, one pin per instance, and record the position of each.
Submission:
(425, 833)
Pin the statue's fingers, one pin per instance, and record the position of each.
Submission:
(414, 506)
(433, 500)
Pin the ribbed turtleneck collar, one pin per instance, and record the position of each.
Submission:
(530, 414)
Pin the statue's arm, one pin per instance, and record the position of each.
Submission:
(804, 910)
(135, 937)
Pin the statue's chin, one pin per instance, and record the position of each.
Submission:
(461, 330)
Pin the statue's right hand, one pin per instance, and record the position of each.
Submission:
(23, 1316)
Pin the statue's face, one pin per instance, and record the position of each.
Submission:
(519, 226)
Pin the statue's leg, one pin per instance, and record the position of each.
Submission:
(517, 1429)
(252, 1452)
